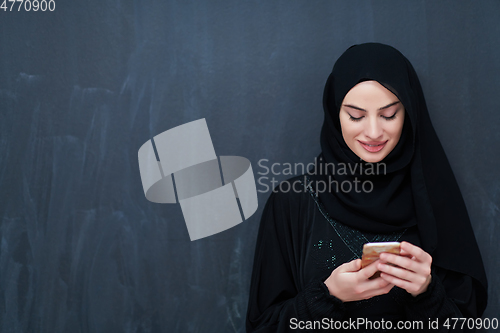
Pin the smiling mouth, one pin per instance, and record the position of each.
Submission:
(373, 147)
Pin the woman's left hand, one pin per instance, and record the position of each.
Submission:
(413, 271)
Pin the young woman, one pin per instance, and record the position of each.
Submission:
(382, 176)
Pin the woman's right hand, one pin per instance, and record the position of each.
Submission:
(349, 282)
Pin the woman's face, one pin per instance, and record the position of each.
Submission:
(372, 119)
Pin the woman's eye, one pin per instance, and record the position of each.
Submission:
(354, 119)
(390, 117)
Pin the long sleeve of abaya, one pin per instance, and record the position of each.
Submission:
(450, 295)
(275, 300)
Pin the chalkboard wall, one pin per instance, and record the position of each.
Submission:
(82, 87)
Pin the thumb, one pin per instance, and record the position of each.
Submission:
(351, 266)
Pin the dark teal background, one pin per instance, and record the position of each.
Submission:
(83, 87)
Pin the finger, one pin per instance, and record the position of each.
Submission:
(417, 252)
(398, 260)
(416, 280)
(399, 272)
(402, 262)
(403, 284)
(415, 266)
(378, 291)
(371, 287)
(406, 254)
(369, 270)
(351, 266)
(412, 288)
(377, 283)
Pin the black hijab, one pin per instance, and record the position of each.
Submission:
(415, 185)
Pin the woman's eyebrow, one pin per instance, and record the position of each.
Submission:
(354, 107)
(360, 109)
(389, 105)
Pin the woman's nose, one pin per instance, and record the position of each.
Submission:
(373, 128)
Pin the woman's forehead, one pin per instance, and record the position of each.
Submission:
(370, 92)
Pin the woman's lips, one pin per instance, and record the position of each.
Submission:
(373, 146)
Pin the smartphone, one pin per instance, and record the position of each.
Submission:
(372, 251)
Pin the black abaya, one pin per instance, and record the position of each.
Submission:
(298, 247)
(305, 234)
